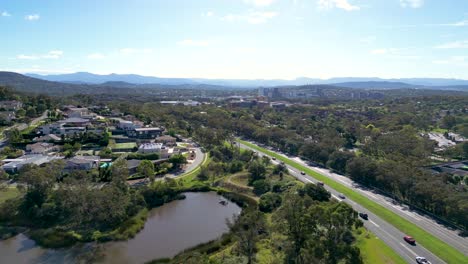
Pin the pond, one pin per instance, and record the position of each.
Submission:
(169, 230)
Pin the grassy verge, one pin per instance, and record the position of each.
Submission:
(375, 251)
(430, 242)
(8, 193)
(195, 171)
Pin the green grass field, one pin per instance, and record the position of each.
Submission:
(427, 240)
(8, 193)
(128, 145)
(374, 250)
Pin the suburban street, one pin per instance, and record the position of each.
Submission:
(199, 156)
(386, 232)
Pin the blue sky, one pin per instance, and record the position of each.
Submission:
(237, 38)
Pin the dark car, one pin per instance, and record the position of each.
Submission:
(320, 183)
(409, 240)
(303, 173)
(273, 158)
(364, 216)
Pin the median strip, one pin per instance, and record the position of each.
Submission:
(429, 241)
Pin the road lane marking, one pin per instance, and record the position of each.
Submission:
(374, 223)
(412, 252)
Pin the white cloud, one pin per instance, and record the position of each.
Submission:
(341, 4)
(458, 24)
(259, 2)
(193, 43)
(208, 14)
(462, 44)
(454, 60)
(379, 51)
(32, 17)
(95, 56)
(395, 53)
(27, 57)
(53, 54)
(135, 51)
(412, 3)
(5, 14)
(252, 17)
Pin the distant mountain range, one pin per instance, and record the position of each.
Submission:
(69, 86)
(350, 82)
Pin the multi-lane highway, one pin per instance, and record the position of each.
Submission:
(386, 232)
(449, 236)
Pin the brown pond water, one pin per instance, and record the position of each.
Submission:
(169, 229)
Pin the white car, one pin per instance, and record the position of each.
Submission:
(422, 260)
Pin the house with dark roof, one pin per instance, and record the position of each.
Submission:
(145, 133)
(48, 138)
(166, 140)
(83, 163)
(41, 148)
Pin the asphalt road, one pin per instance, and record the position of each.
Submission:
(449, 236)
(199, 156)
(383, 230)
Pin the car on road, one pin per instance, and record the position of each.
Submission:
(422, 260)
(364, 216)
(409, 240)
(303, 173)
(341, 196)
(320, 183)
(273, 158)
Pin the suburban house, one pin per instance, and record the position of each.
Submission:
(166, 140)
(53, 128)
(48, 138)
(147, 148)
(11, 105)
(60, 129)
(77, 112)
(133, 166)
(127, 125)
(13, 165)
(163, 151)
(145, 133)
(82, 163)
(75, 122)
(40, 148)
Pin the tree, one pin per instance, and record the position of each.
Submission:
(260, 187)
(31, 112)
(120, 174)
(257, 171)
(247, 229)
(338, 159)
(269, 202)
(448, 122)
(293, 220)
(280, 168)
(178, 160)
(362, 169)
(316, 192)
(14, 136)
(146, 169)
